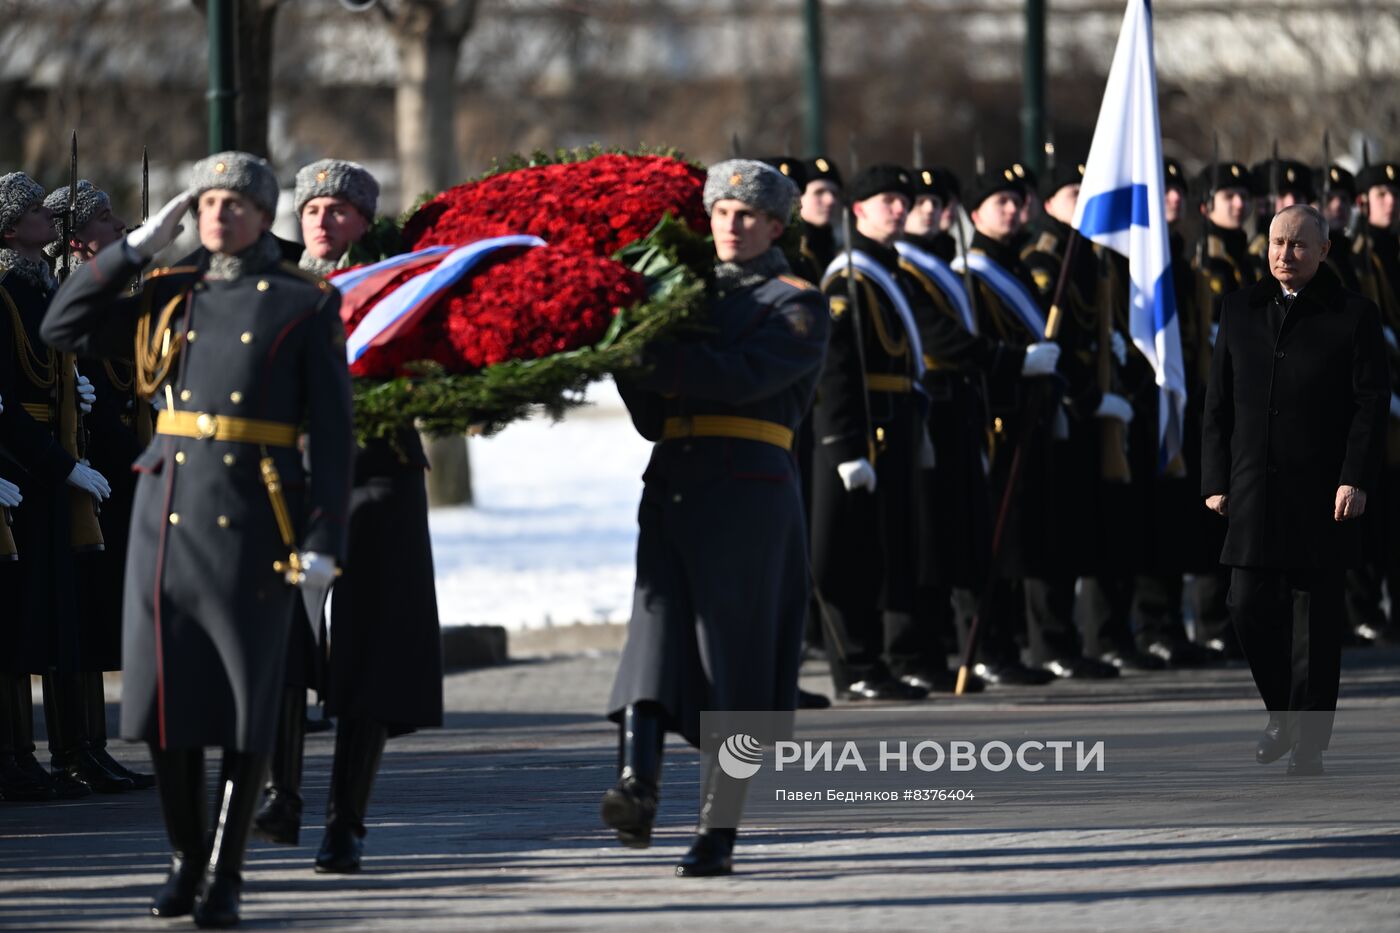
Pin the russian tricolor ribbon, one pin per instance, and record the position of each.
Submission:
(406, 304)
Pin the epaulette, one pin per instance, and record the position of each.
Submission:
(309, 277)
(1259, 246)
(171, 270)
(796, 281)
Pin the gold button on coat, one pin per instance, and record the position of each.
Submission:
(222, 521)
(185, 395)
(192, 336)
(235, 397)
(179, 456)
(247, 336)
(174, 518)
(228, 460)
(263, 285)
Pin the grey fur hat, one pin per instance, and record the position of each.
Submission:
(91, 200)
(757, 184)
(18, 193)
(337, 178)
(246, 174)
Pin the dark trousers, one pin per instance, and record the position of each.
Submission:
(1290, 623)
(1104, 613)
(1156, 612)
(1050, 619)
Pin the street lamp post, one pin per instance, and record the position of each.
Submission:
(223, 93)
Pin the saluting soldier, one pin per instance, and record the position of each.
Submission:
(116, 430)
(722, 580)
(38, 433)
(870, 444)
(1058, 545)
(384, 676)
(238, 354)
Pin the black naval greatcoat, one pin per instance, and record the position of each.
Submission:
(40, 624)
(722, 582)
(116, 437)
(1290, 417)
(865, 546)
(955, 521)
(385, 641)
(206, 616)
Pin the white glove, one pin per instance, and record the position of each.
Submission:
(89, 480)
(86, 395)
(317, 570)
(161, 230)
(9, 494)
(1394, 405)
(1120, 349)
(857, 474)
(1115, 406)
(1041, 359)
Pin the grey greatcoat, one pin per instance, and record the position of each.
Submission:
(722, 581)
(205, 617)
(1289, 418)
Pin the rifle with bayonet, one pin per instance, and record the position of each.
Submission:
(85, 532)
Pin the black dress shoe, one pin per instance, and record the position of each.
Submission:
(341, 851)
(944, 681)
(1081, 669)
(883, 690)
(630, 808)
(18, 785)
(218, 908)
(1013, 675)
(712, 854)
(1273, 744)
(278, 820)
(139, 781)
(807, 700)
(1305, 762)
(1131, 660)
(182, 886)
(83, 766)
(63, 785)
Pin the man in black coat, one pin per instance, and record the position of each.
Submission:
(226, 522)
(722, 582)
(1292, 439)
(384, 676)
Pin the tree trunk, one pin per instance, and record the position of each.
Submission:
(429, 35)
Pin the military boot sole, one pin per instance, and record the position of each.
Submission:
(630, 816)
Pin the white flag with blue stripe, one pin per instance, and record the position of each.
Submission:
(1121, 207)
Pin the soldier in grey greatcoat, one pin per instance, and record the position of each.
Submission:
(722, 580)
(238, 354)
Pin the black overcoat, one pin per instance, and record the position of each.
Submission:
(385, 640)
(722, 583)
(40, 622)
(1290, 418)
(206, 616)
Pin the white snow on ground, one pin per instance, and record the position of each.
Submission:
(553, 536)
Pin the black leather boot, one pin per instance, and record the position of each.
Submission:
(721, 806)
(95, 732)
(630, 806)
(180, 777)
(217, 908)
(65, 716)
(16, 783)
(359, 744)
(279, 818)
(63, 785)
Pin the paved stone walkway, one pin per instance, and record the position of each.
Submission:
(491, 824)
